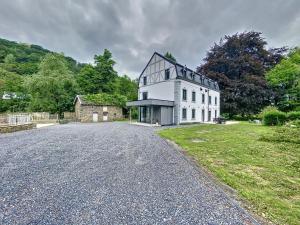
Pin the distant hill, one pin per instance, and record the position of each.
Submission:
(28, 57)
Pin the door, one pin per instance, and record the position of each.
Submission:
(95, 117)
(105, 116)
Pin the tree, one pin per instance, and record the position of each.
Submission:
(126, 87)
(169, 56)
(53, 88)
(285, 77)
(105, 68)
(98, 78)
(13, 84)
(239, 63)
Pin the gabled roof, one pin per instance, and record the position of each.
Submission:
(83, 101)
(190, 76)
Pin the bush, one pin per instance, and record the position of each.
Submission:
(274, 118)
(293, 115)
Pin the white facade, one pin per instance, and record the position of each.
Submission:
(165, 80)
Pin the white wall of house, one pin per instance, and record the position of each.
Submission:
(198, 105)
(162, 90)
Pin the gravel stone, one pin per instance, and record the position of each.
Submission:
(105, 173)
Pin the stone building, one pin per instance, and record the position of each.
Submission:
(86, 111)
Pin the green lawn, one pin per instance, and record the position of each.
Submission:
(265, 174)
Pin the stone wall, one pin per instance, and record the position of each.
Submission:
(84, 113)
(14, 128)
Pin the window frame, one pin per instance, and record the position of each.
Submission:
(203, 98)
(184, 115)
(216, 100)
(145, 80)
(145, 93)
(193, 114)
(209, 99)
(167, 74)
(184, 91)
(193, 96)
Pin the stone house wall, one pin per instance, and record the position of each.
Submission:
(84, 113)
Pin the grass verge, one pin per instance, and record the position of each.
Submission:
(264, 173)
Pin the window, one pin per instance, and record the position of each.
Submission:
(184, 114)
(167, 74)
(203, 98)
(184, 94)
(209, 100)
(209, 115)
(193, 113)
(145, 95)
(203, 115)
(145, 80)
(193, 96)
(216, 113)
(184, 72)
(216, 100)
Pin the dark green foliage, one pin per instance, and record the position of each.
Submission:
(274, 118)
(169, 56)
(46, 81)
(53, 88)
(27, 57)
(106, 99)
(239, 63)
(126, 87)
(294, 115)
(285, 77)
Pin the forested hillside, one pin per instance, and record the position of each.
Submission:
(28, 56)
(35, 79)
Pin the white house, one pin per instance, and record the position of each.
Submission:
(170, 93)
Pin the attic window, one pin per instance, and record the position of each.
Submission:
(184, 72)
(167, 74)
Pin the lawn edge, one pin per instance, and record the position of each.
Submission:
(229, 191)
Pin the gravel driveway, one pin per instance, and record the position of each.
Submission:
(107, 173)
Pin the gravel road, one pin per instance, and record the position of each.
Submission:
(107, 173)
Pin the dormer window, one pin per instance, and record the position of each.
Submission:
(167, 74)
(145, 80)
(184, 72)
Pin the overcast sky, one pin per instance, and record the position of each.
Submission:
(132, 30)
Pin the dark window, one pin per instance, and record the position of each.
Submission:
(209, 100)
(209, 115)
(193, 113)
(215, 113)
(193, 96)
(145, 80)
(203, 115)
(216, 100)
(203, 98)
(184, 114)
(167, 74)
(184, 94)
(184, 73)
(145, 95)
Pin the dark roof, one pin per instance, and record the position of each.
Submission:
(189, 75)
(150, 102)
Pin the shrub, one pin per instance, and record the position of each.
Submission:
(293, 115)
(274, 118)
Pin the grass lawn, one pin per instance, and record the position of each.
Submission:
(265, 174)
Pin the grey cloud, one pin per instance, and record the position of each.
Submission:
(134, 29)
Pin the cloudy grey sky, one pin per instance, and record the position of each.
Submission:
(132, 30)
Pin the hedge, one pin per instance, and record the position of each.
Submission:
(274, 118)
(294, 115)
